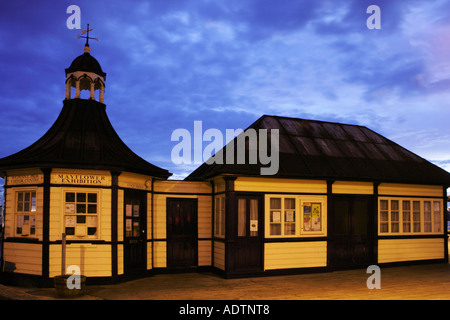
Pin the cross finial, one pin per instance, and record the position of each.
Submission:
(86, 36)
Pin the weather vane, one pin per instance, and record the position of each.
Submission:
(87, 35)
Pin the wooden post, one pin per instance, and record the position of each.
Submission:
(63, 254)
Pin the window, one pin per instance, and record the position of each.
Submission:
(295, 215)
(406, 216)
(26, 213)
(282, 216)
(219, 216)
(81, 213)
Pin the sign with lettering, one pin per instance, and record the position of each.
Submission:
(81, 179)
(25, 179)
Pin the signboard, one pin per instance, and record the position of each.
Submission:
(25, 179)
(81, 179)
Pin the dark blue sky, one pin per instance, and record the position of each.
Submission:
(228, 62)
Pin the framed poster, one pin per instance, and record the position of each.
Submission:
(70, 207)
(128, 210)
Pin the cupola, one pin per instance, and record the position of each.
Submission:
(85, 73)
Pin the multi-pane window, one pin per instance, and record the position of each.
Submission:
(26, 213)
(406, 216)
(81, 213)
(291, 216)
(282, 216)
(219, 216)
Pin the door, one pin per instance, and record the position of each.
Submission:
(182, 234)
(247, 245)
(350, 237)
(135, 240)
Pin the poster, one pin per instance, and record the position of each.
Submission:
(128, 210)
(128, 225)
(253, 225)
(276, 216)
(316, 213)
(70, 221)
(70, 207)
(290, 216)
(307, 209)
(135, 210)
(91, 222)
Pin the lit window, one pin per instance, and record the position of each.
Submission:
(81, 213)
(26, 213)
(406, 216)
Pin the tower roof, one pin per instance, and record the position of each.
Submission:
(86, 63)
(82, 137)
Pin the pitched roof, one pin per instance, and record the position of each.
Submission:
(311, 149)
(82, 137)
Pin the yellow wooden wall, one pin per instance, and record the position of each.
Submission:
(396, 250)
(285, 255)
(94, 260)
(24, 257)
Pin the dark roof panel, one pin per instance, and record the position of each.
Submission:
(326, 150)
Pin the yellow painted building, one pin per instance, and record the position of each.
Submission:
(343, 197)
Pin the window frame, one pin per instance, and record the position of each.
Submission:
(219, 216)
(88, 216)
(414, 213)
(298, 215)
(31, 224)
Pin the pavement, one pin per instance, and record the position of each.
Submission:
(419, 282)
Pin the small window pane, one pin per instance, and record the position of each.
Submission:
(275, 203)
(81, 197)
(92, 208)
(92, 197)
(70, 197)
(81, 208)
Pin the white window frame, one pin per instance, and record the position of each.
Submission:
(437, 227)
(25, 219)
(300, 227)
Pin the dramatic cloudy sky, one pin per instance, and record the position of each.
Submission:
(228, 62)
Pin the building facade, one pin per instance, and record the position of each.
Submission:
(343, 197)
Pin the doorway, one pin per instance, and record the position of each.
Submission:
(182, 233)
(135, 240)
(246, 246)
(350, 238)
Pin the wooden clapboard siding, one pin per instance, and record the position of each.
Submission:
(160, 254)
(219, 255)
(285, 255)
(279, 185)
(120, 259)
(23, 257)
(397, 250)
(352, 187)
(409, 190)
(93, 260)
(204, 253)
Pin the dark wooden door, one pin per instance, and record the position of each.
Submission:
(182, 234)
(247, 236)
(135, 240)
(350, 237)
